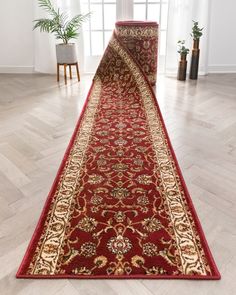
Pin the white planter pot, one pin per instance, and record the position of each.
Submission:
(66, 53)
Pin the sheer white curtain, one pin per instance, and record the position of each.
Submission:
(44, 45)
(124, 10)
(181, 14)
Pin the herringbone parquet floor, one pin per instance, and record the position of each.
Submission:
(37, 118)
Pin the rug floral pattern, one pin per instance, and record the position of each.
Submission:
(119, 207)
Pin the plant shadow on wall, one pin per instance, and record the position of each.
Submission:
(64, 28)
(183, 51)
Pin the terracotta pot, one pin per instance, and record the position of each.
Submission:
(66, 53)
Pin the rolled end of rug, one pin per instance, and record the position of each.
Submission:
(141, 39)
(137, 23)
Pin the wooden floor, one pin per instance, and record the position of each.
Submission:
(37, 117)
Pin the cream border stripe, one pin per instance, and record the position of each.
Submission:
(48, 254)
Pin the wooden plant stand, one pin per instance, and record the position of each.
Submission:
(65, 74)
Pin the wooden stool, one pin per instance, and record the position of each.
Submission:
(65, 76)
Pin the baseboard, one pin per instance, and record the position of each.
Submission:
(217, 69)
(16, 69)
(30, 69)
(174, 73)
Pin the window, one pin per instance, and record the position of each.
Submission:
(154, 10)
(98, 30)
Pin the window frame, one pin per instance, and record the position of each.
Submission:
(124, 11)
(161, 3)
(103, 30)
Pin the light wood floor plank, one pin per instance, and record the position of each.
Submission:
(37, 118)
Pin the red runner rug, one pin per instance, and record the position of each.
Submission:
(141, 39)
(119, 207)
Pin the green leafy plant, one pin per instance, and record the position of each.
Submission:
(196, 31)
(181, 48)
(59, 23)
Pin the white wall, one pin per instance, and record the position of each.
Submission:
(222, 42)
(17, 41)
(16, 37)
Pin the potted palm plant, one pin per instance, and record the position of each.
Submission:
(196, 35)
(183, 51)
(64, 29)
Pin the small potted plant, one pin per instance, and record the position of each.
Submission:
(63, 28)
(183, 51)
(196, 35)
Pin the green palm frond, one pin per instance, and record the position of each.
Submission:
(77, 21)
(59, 23)
(47, 6)
(72, 34)
(44, 24)
(63, 19)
